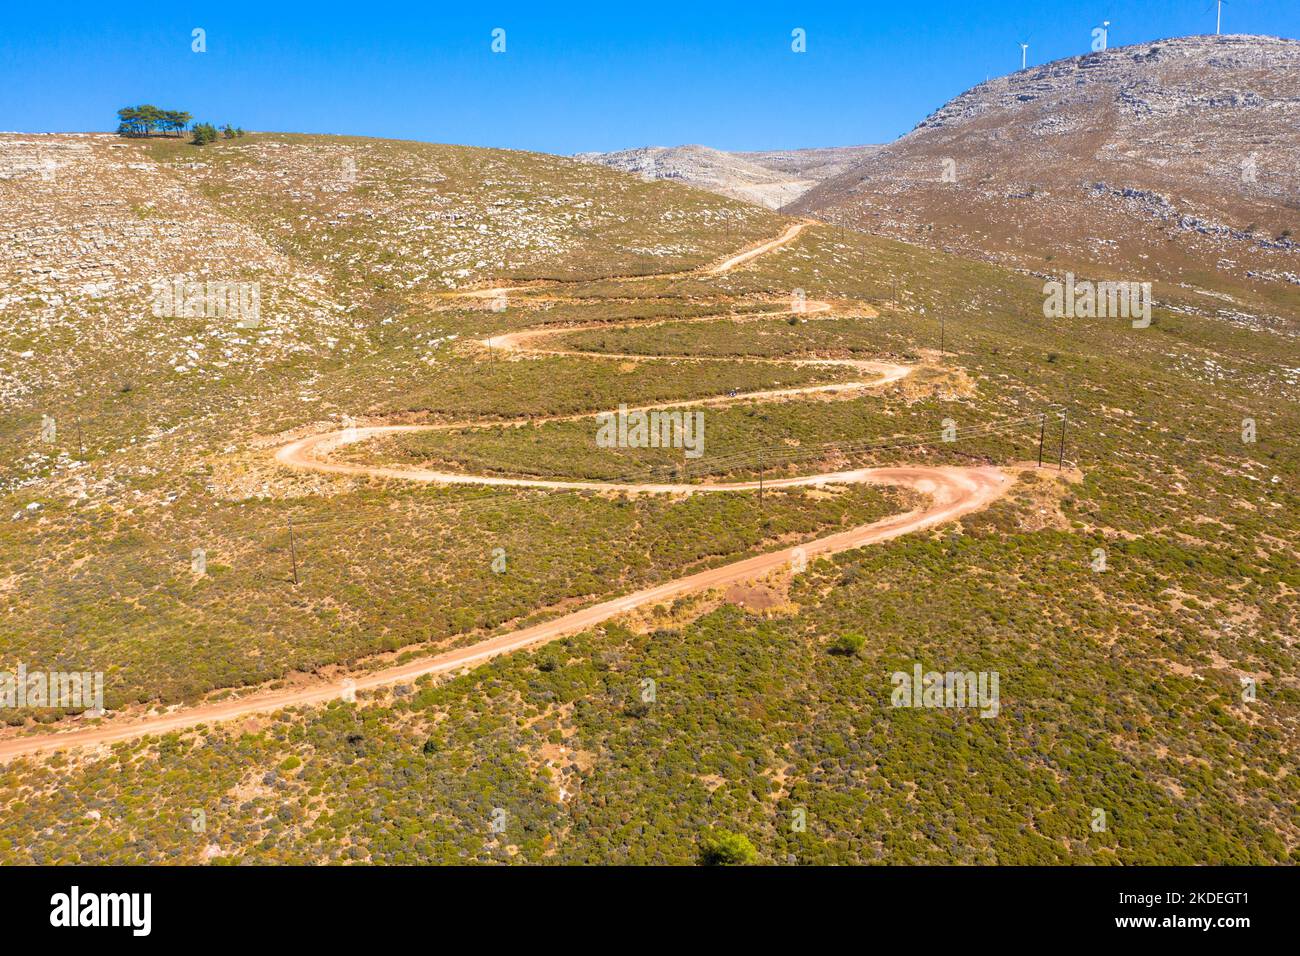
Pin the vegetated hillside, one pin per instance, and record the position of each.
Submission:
(1121, 682)
(333, 231)
(130, 439)
(771, 178)
(1173, 160)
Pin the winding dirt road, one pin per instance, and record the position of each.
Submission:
(952, 493)
(740, 258)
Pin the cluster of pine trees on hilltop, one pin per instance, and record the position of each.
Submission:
(147, 120)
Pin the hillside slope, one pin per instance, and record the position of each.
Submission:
(1123, 683)
(128, 432)
(1172, 160)
(332, 230)
(1128, 594)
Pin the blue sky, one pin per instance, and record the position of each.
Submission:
(574, 76)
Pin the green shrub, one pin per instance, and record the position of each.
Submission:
(848, 645)
(724, 848)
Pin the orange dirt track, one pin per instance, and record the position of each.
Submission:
(952, 492)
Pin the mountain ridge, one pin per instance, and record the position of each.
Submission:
(771, 178)
(1172, 157)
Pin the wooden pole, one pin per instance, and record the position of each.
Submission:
(1061, 464)
(760, 481)
(293, 552)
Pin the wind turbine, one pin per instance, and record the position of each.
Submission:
(1024, 51)
(1218, 17)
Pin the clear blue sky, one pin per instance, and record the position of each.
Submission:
(574, 76)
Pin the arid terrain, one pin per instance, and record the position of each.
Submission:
(950, 493)
(1171, 161)
(367, 581)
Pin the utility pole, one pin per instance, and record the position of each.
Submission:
(760, 480)
(1061, 463)
(81, 446)
(293, 552)
(942, 351)
(1042, 430)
